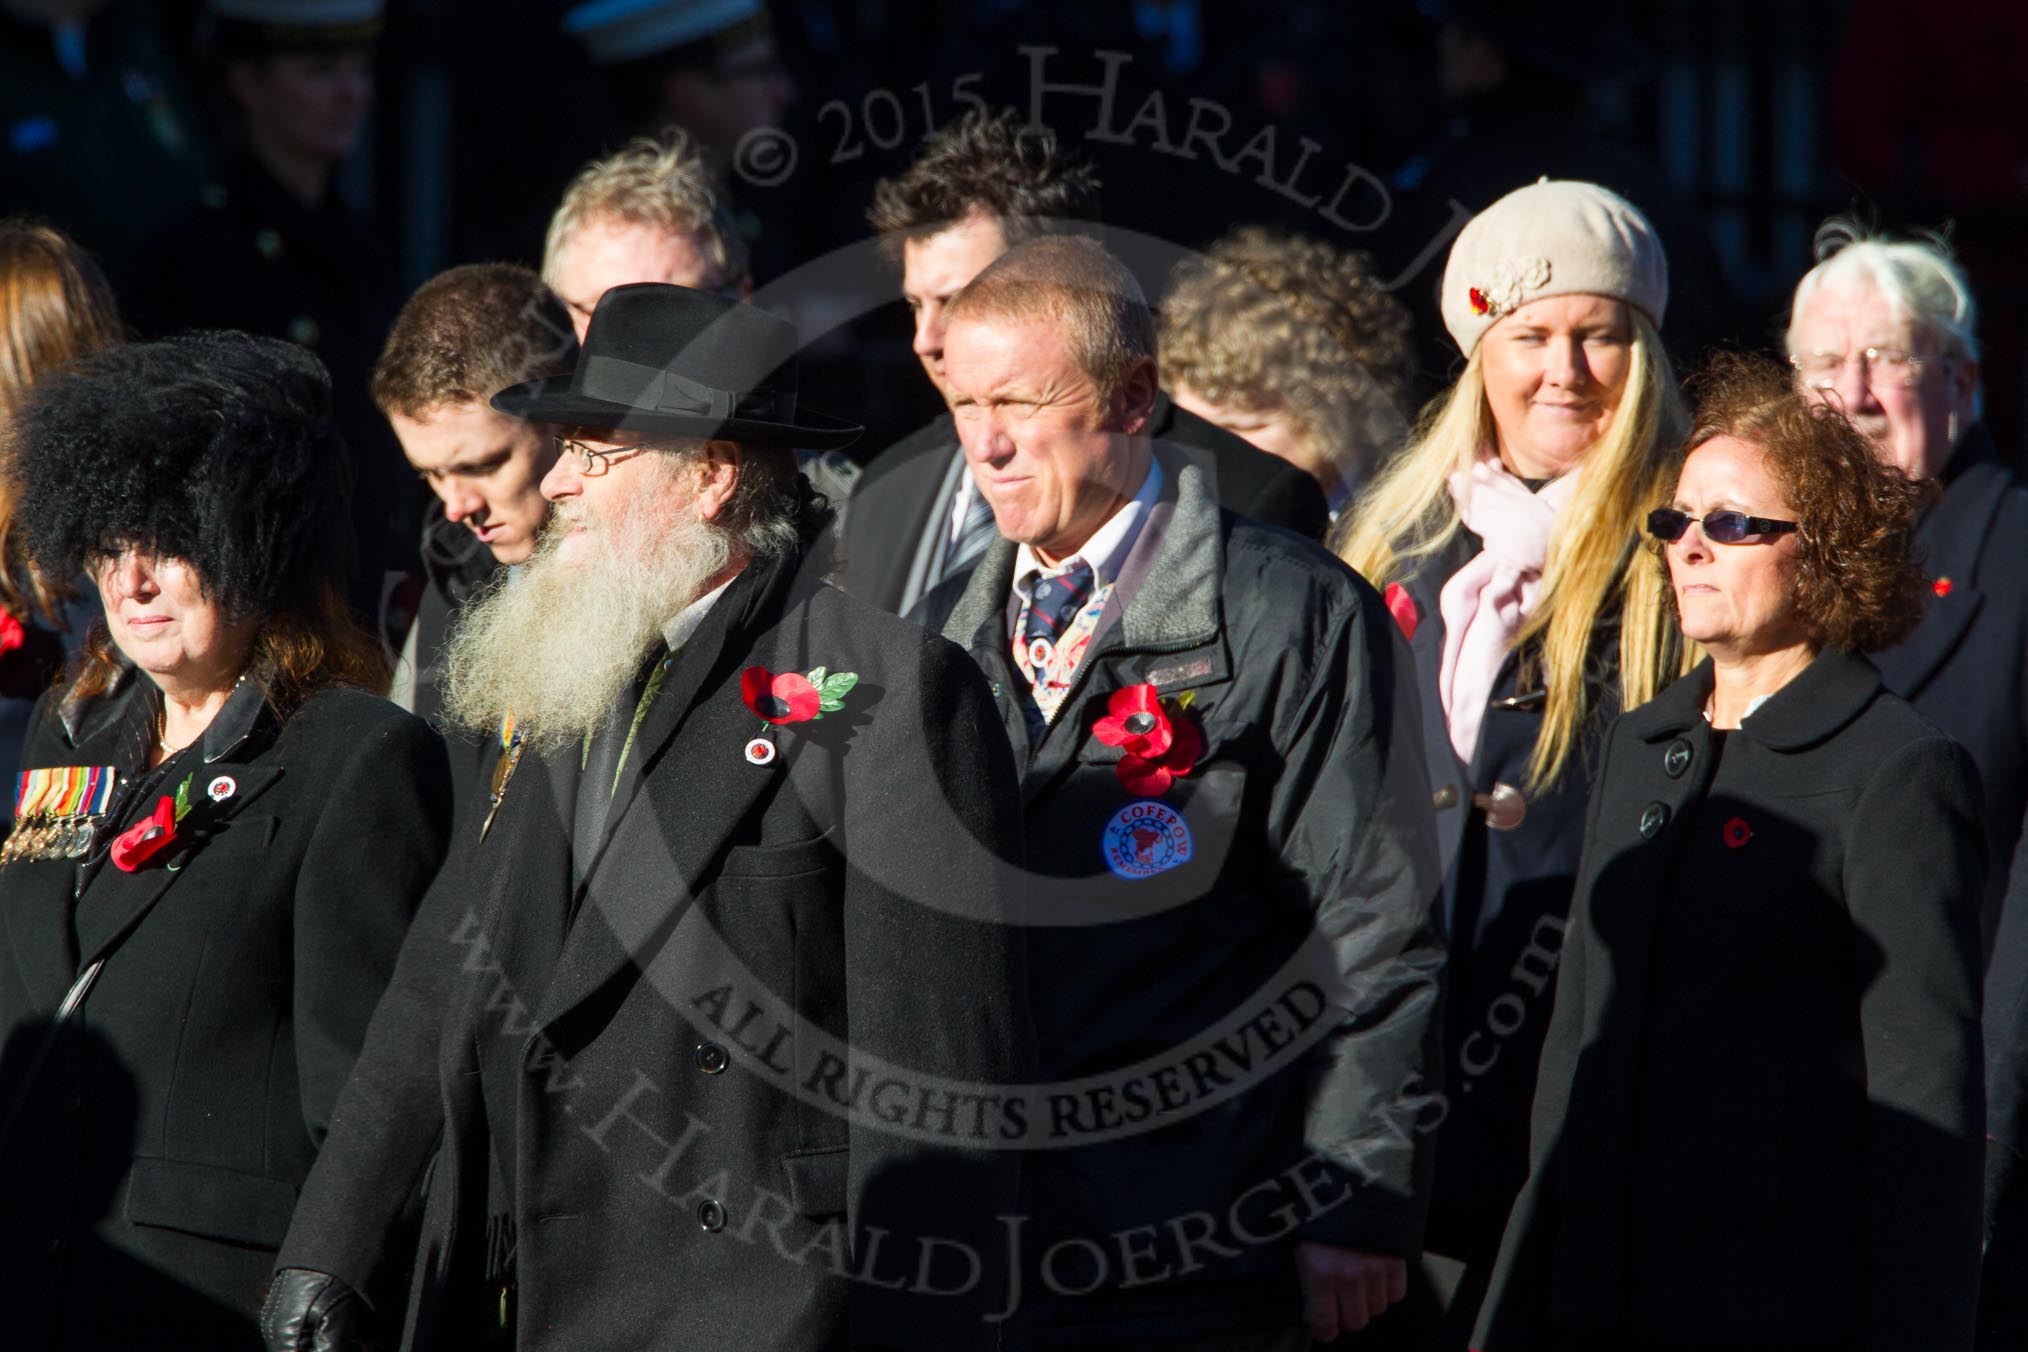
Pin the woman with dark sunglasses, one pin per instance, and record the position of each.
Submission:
(1758, 1119)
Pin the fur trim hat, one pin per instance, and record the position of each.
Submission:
(1551, 238)
(212, 448)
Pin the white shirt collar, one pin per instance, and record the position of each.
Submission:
(1107, 549)
(681, 629)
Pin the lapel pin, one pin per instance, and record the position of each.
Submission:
(760, 751)
(1942, 586)
(1737, 833)
(222, 788)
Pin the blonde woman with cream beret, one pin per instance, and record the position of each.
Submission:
(1505, 539)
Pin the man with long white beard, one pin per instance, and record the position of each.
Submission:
(747, 849)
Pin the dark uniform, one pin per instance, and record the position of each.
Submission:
(153, 1160)
(256, 257)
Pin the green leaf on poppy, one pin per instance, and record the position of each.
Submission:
(830, 706)
(834, 687)
(816, 677)
(183, 796)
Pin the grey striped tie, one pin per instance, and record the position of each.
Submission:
(973, 536)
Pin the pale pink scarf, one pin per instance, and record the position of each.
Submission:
(1486, 602)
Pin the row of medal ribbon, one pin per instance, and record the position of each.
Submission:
(56, 810)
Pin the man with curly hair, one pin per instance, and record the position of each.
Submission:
(980, 186)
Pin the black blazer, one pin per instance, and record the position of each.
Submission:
(639, 1082)
(900, 497)
(1759, 1111)
(1965, 668)
(455, 567)
(1506, 897)
(153, 1167)
(1311, 861)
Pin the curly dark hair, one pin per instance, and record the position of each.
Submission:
(216, 449)
(990, 162)
(1858, 585)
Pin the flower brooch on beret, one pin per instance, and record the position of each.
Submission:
(1504, 291)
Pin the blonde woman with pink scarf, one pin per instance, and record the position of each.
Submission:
(1505, 538)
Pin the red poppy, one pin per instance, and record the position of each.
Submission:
(1480, 305)
(1136, 721)
(1737, 833)
(1160, 749)
(144, 840)
(787, 698)
(1942, 586)
(12, 635)
(1402, 606)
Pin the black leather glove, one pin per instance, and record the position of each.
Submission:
(314, 1312)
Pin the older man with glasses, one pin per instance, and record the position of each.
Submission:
(745, 847)
(1884, 329)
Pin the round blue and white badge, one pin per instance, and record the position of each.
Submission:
(1145, 838)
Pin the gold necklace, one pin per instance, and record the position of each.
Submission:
(162, 720)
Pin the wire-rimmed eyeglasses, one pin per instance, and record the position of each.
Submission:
(1883, 367)
(591, 460)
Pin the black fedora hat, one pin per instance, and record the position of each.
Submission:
(660, 359)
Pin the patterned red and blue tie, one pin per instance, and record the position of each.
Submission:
(1053, 608)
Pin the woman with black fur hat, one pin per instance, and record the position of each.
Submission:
(218, 843)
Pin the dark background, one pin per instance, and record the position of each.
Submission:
(1758, 117)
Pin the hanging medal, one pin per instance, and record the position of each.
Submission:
(503, 770)
(56, 810)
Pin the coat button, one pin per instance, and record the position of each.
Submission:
(1677, 758)
(1653, 818)
(1504, 807)
(711, 1058)
(1447, 796)
(711, 1215)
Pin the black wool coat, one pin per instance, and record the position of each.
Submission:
(1759, 1110)
(903, 496)
(694, 1092)
(152, 1168)
(1965, 668)
(1506, 897)
(1275, 993)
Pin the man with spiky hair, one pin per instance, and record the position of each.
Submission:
(980, 186)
